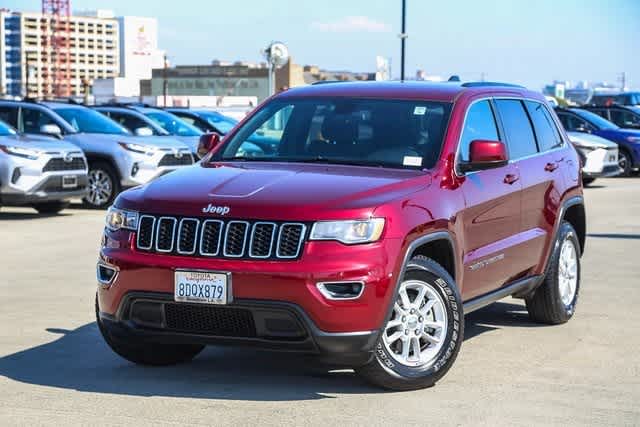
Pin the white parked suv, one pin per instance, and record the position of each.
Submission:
(599, 156)
(41, 172)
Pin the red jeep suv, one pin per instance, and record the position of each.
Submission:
(356, 221)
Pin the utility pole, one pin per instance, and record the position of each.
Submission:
(623, 80)
(165, 82)
(403, 38)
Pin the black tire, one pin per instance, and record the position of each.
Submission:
(385, 371)
(545, 305)
(624, 161)
(50, 207)
(97, 171)
(587, 181)
(143, 353)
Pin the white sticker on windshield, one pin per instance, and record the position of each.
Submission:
(412, 161)
(419, 111)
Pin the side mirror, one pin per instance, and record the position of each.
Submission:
(51, 129)
(583, 129)
(485, 154)
(143, 131)
(208, 142)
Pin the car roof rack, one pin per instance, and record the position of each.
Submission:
(324, 82)
(490, 84)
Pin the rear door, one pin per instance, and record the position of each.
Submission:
(492, 214)
(537, 148)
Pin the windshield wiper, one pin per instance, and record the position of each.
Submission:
(250, 159)
(321, 159)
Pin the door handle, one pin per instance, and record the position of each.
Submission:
(511, 178)
(551, 166)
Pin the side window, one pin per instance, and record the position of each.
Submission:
(480, 123)
(130, 122)
(574, 123)
(33, 120)
(517, 128)
(9, 115)
(625, 119)
(601, 112)
(546, 132)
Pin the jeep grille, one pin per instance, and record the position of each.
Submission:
(221, 239)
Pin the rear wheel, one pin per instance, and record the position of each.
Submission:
(423, 335)
(144, 353)
(51, 207)
(554, 302)
(103, 185)
(587, 181)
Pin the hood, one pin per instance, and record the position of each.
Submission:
(274, 191)
(588, 140)
(149, 141)
(619, 134)
(41, 143)
(189, 141)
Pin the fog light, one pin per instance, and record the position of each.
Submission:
(106, 274)
(341, 290)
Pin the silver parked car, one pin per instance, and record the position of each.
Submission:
(117, 159)
(40, 172)
(599, 156)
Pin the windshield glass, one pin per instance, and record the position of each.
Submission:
(89, 121)
(367, 132)
(6, 130)
(173, 124)
(222, 123)
(595, 119)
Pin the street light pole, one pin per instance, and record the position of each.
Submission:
(165, 83)
(403, 38)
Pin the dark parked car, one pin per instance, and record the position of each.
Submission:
(622, 115)
(384, 213)
(205, 120)
(623, 98)
(628, 140)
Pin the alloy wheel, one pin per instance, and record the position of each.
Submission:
(100, 187)
(568, 272)
(417, 329)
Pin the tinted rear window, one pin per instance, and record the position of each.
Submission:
(546, 132)
(517, 128)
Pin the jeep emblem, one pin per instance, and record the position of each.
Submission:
(219, 210)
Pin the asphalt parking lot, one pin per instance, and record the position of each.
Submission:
(56, 370)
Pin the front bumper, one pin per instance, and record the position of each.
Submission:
(601, 163)
(48, 187)
(138, 169)
(270, 325)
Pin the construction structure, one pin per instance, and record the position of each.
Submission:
(54, 53)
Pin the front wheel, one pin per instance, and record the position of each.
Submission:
(624, 161)
(423, 335)
(554, 302)
(103, 186)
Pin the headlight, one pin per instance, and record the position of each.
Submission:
(137, 148)
(633, 139)
(20, 152)
(348, 232)
(586, 148)
(120, 218)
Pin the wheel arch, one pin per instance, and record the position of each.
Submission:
(574, 213)
(92, 158)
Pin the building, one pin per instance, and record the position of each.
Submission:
(94, 51)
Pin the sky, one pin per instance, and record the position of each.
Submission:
(520, 41)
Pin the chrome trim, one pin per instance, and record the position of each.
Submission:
(332, 296)
(244, 240)
(222, 227)
(106, 283)
(302, 234)
(153, 232)
(253, 232)
(173, 233)
(195, 236)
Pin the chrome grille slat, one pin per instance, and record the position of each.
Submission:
(236, 239)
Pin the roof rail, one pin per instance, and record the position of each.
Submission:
(324, 82)
(488, 84)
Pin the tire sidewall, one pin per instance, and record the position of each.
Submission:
(420, 269)
(566, 232)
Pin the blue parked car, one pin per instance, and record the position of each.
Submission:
(628, 140)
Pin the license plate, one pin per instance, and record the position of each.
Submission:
(69, 181)
(204, 287)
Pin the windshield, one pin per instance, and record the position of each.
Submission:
(595, 119)
(367, 132)
(173, 124)
(6, 130)
(89, 121)
(222, 123)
